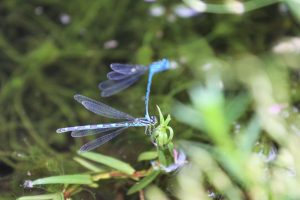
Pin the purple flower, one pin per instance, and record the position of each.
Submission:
(184, 11)
(110, 44)
(179, 161)
(28, 184)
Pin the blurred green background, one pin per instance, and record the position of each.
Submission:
(51, 50)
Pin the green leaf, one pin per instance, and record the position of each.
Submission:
(109, 161)
(210, 102)
(64, 179)
(88, 165)
(236, 107)
(162, 158)
(154, 193)
(294, 5)
(148, 155)
(144, 182)
(251, 134)
(56, 196)
(188, 115)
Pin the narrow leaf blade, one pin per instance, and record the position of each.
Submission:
(55, 196)
(148, 155)
(144, 182)
(109, 161)
(88, 165)
(65, 179)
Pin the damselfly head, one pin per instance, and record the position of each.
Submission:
(159, 66)
(153, 120)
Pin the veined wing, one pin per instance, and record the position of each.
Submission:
(101, 108)
(116, 76)
(128, 69)
(110, 87)
(101, 140)
(83, 133)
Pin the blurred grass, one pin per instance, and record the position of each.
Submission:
(45, 60)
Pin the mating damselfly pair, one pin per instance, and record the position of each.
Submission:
(122, 76)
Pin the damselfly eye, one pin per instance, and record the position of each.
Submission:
(153, 120)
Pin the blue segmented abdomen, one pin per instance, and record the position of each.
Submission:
(99, 126)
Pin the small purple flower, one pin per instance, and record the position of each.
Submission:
(110, 44)
(157, 11)
(28, 184)
(65, 19)
(276, 108)
(179, 161)
(185, 12)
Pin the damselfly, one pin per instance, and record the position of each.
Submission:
(111, 129)
(124, 75)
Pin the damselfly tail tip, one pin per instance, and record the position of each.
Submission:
(82, 149)
(60, 130)
(105, 94)
(73, 134)
(77, 97)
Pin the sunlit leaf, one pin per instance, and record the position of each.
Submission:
(155, 193)
(148, 155)
(294, 5)
(64, 179)
(191, 116)
(209, 101)
(250, 135)
(109, 161)
(56, 196)
(236, 107)
(144, 182)
(88, 165)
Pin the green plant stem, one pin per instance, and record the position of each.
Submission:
(117, 174)
(256, 4)
(227, 9)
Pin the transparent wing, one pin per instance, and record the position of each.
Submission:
(110, 87)
(128, 69)
(101, 108)
(101, 140)
(83, 133)
(115, 76)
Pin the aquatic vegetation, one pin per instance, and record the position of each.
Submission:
(233, 99)
(116, 169)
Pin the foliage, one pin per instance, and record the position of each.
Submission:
(116, 168)
(233, 98)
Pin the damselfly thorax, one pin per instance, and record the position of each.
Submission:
(148, 121)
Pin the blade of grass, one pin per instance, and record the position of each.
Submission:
(56, 196)
(64, 179)
(88, 165)
(148, 155)
(143, 183)
(109, 161)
